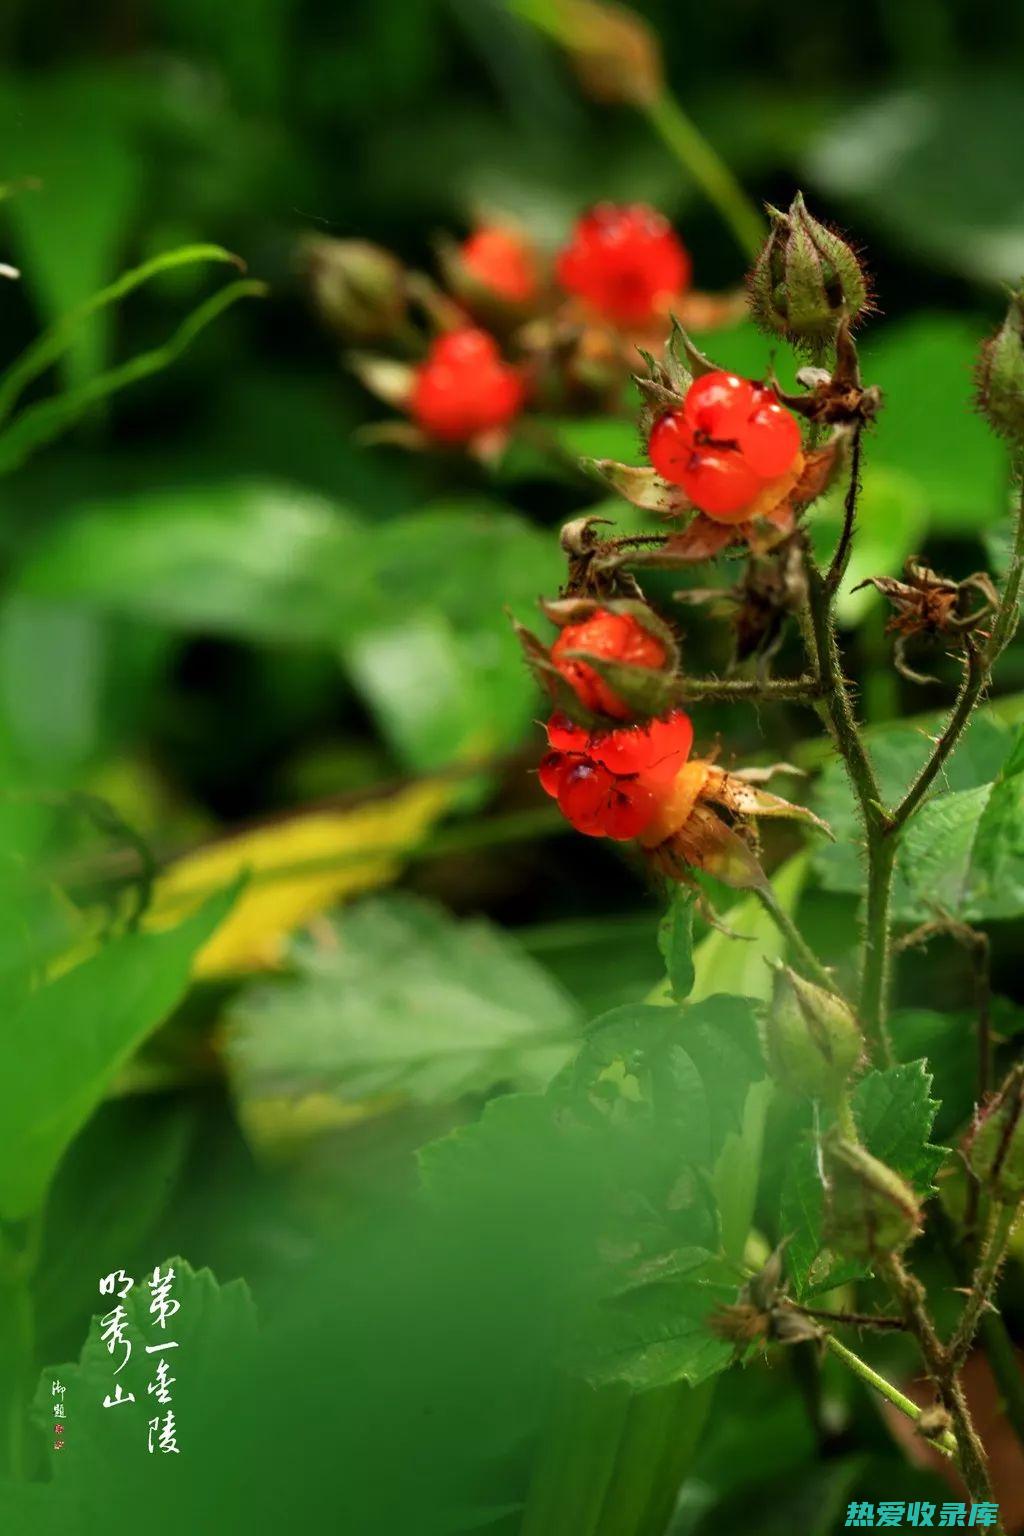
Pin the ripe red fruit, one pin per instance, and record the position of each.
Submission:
(615, 636)
(611, 783)
(727, 441)
(465, 388)
(501, 260)
(625, 262)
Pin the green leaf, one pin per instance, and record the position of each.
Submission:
(62, 132)
(675, 940)
(394, 997)
(928, 431)
(894, 1112)
(421, 596)
(941, 862)
(215, 1332)
(929, 164)
(656, 1333)
(67, 1040)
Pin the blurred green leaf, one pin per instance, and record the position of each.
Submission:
(930, 165)
(675, 940)
(394, 997)
(66, 134)
(928, 430)
(67, 1040)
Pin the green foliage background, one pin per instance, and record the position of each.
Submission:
(216, 608)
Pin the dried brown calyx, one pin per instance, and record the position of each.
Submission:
(929, 606)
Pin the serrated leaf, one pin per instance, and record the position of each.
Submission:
(395, 1000)
(894, 1113)
(657, 1333)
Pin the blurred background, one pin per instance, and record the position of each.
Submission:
(236, 637)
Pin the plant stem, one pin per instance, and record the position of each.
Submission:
(802, 689)
(992, 1255)
(794, 938)
(837, 710)
(946, 1442)
(980, 661)
(708, 169)
(841, 558)
(970, 1451)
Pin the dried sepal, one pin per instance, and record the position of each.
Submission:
(929, 606)
(640, 486)
(385, 377)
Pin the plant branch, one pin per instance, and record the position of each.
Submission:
(970, 1451)
(682, 136)
(801, 950)
(980, 660)
(872, 1320)
(983, 1283)
(945, 1443)
(841, 557)
(804, 690)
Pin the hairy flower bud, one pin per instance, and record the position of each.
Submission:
(811, 1038)
(869, 1210)
(995, 1146)
(1000, 373)
(806, 279)
(358, 288)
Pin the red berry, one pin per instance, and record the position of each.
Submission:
(501, 260)
(564, 735)
(727, 440)
(584, 795)
(464, 388)
(551, 771)
(626, 262)
(615, 636)
(628, 810)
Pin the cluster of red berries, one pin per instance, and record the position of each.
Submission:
(624, 263)
(465, 388)
(615, 637)
(609, 783)
(728, 440)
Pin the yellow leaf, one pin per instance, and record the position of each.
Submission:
(296, 869)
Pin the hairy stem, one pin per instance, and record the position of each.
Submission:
(803, 690)
(981, 658)
(841, 558)
(946, 1442)
(992, 1255)
(801, 950)
(910, 1294)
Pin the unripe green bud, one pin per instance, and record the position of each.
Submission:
(1000, 373)
(995, 1146)
(358, 287)
(806, 279)
(869, 1210)
(811, 1038)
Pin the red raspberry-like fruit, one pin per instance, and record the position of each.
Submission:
(616, 636)
(612, 783)
(625, 262)
(465, 388)
(729, 438)
(501, 260)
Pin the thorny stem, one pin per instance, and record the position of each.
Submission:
(872, 1320)
(992, 1255)
(837, 710)
(802, 951)
(946, 1442)
(978, 670)
(803, 690)
(970, 1453)
(841, 557)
